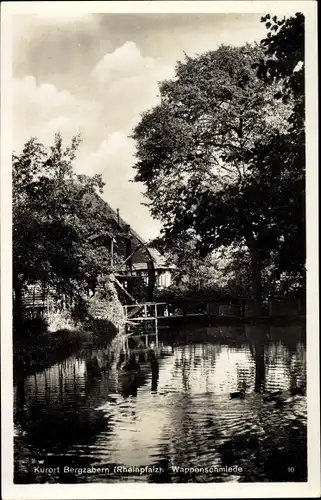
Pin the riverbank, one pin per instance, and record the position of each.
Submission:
(211, 320)
(232, 330)
(39, 351)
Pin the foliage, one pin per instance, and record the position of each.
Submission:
(281, 157)
(234, 278)
(190, 272)
(101, 329)
(34, 326)
(53, 217)
(79, 311)
(40, 351)
(194, 154)
(61, 320)
(138, 288)
(283, 60)
(235, 272)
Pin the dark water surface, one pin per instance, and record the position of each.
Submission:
(184, 418)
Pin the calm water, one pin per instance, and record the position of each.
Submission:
(185, 418)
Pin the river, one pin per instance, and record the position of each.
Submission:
(71, 428)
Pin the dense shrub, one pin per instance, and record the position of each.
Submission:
(31, 326)
(100, 328)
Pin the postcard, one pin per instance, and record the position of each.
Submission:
(159, 250)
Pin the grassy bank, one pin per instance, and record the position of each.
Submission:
(41, 342)
(211, 320)
(41, 350)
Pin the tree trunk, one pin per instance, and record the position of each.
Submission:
(256, 335)
(259, 385)
(256, 291)
(256, 278)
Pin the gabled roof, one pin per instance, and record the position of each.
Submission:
(111, 215)
(159, 260)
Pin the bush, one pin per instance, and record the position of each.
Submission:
(32, 326)
(101, 328)
(79, 311)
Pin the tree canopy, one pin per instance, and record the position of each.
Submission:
(53, 218)
(200, 153)
(283, 65)
(283, 61)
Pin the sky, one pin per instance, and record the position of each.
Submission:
(95, 74)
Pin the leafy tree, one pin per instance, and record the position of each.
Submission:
(281, 156)
(235, 271)
(190, 272)
(53, 217)
(194, 154)
(283, 61)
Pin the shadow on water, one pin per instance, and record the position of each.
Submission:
(170, 414)
(154, 385)
(279, 453)
(54, 414)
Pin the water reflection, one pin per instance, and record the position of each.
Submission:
(176, 415)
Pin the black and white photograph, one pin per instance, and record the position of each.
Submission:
(158, 204)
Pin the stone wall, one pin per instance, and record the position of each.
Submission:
(105, 304)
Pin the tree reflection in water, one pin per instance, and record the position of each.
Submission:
(278, 364)
(257, 338)
(180, 414)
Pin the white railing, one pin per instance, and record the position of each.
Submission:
(148, 311)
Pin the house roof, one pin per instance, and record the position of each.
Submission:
(158, 259)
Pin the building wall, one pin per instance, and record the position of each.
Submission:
(164, 279)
